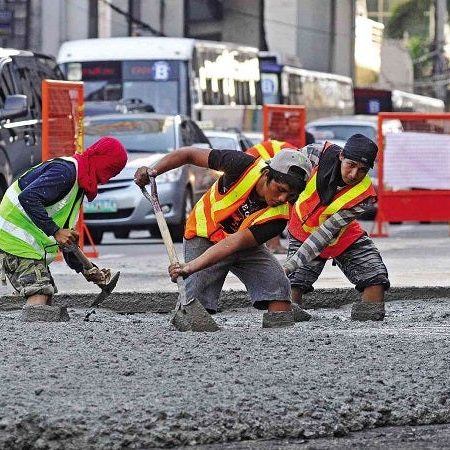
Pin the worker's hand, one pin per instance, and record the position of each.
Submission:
(66, 237)
(178, 270)
(97, 276)
(143, 174)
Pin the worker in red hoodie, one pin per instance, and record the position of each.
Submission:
(38, 213)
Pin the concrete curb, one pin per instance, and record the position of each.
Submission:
(164, 302)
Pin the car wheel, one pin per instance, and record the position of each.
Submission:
(97, 235)
(122, 234)
(154, 231)
(177, 230)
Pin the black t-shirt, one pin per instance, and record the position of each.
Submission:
(233, 164)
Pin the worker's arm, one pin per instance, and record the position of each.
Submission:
(43, 186)
(322, 237)
(231, 244)
(177, 158)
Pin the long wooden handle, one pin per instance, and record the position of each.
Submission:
(165, 233)
(162, 225)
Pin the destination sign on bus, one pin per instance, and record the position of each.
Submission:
(150, 70)
(103, 70)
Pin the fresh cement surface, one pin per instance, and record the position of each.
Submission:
(130, 381)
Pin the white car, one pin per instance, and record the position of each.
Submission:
(228, 140)
(120, 206)
(338, 129)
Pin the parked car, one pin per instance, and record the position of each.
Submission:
(338, 129)
(228, 140)
(21, 74)
(125, 106)
(120, 206)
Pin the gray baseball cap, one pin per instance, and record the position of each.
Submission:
(285, 160)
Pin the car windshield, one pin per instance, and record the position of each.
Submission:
(152, 135)
(222, 143)
(341, 132)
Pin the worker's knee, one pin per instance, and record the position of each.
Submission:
(29, 277)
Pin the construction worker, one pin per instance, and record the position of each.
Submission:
(266, 150)
(39, 210)
(323, 225)
(228, 226)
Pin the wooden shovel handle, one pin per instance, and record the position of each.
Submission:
(165, 233)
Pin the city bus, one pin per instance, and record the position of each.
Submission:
(323, 94)
(205, 80)
(373, 101)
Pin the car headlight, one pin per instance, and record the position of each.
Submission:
(171, 176)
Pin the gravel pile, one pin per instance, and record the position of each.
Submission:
(129, 381)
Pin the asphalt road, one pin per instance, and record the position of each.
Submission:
(415, 255)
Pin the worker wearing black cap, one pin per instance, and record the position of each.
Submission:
(323, 226)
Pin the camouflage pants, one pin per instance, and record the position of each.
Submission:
(27, 276)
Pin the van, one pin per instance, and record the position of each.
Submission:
(21, 75)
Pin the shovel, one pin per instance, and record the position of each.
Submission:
(189, 315)
(106, 288)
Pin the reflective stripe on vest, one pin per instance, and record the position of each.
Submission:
(268, 149)
(214, 207)
(18, 233)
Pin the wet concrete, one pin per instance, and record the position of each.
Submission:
(44, 313)
(130, 381)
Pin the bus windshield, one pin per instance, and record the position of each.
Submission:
(161, 83)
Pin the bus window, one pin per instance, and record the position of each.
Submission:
(270, 87)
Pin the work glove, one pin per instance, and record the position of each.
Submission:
(97, 276)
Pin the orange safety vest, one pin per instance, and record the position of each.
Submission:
(268, 149)
(308, 213)
(206, 217)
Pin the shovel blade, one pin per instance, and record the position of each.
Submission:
(105, 291)
(193, 317)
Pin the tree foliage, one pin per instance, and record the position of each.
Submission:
(411, 17)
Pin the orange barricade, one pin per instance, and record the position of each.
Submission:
(62, 131)
(285, 123)
(413, 169)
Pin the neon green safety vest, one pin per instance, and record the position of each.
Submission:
(20, 236)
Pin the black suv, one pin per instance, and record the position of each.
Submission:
(21, 74)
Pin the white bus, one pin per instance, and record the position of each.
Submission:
(323, 94)
(373, 101)
(209, 81)
(408, 102)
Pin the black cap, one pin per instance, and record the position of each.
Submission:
(362, 149)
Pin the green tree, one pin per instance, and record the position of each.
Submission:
(412, 19)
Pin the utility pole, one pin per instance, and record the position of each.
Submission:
(440, 62)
